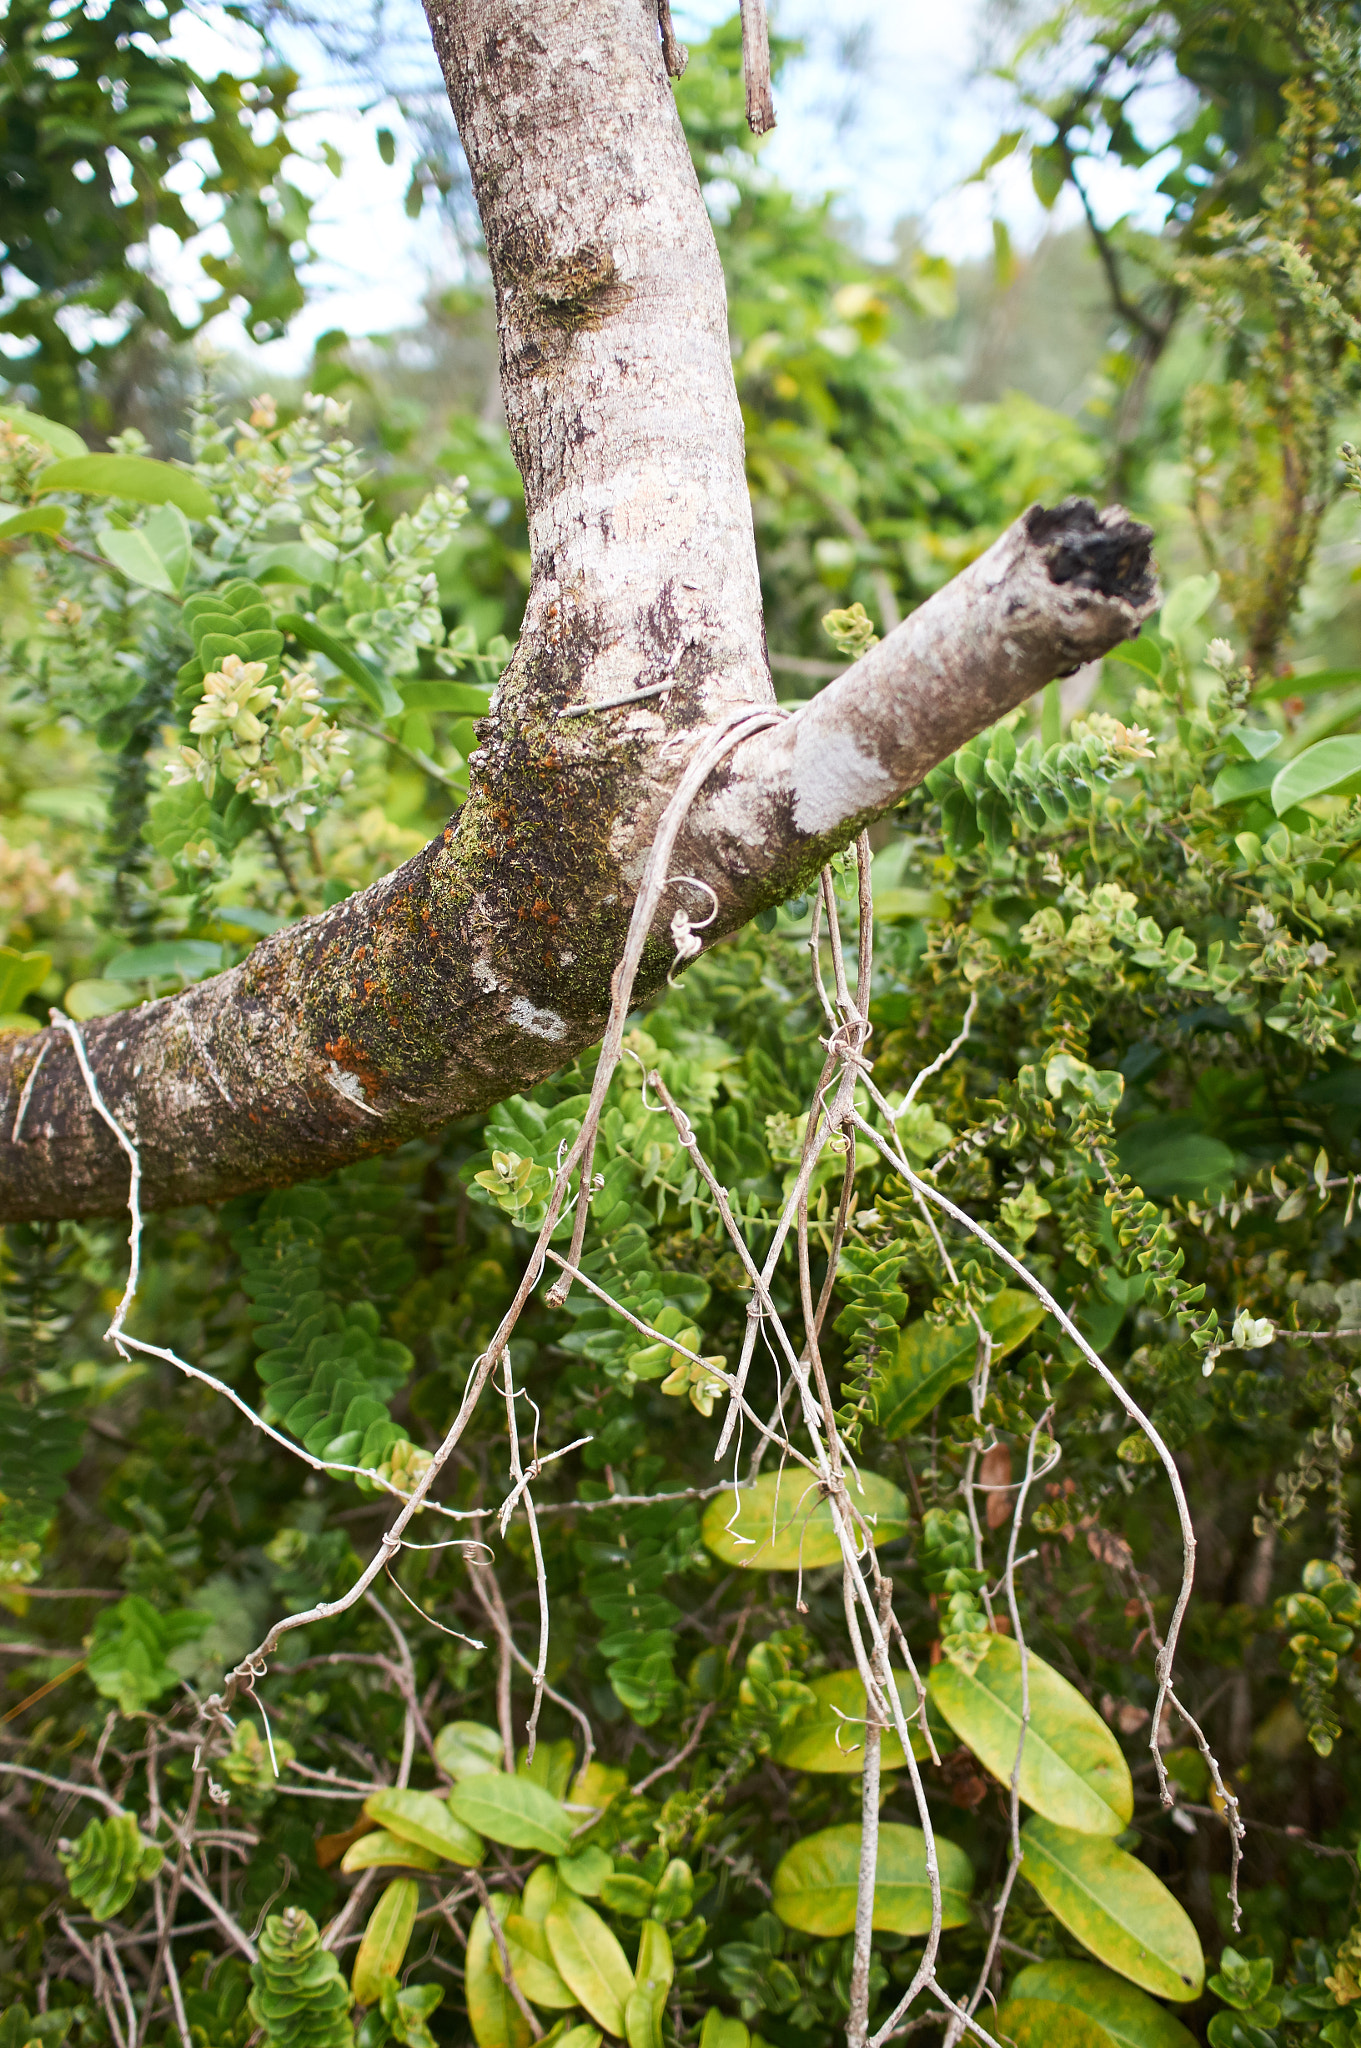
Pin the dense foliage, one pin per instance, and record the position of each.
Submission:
(1113, 1022)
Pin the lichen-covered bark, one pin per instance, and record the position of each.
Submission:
(485, 962)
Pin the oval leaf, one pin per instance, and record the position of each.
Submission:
(132, 553)
(37, 519)
(1072, 1769)
(61, 440)
(530, 1959)
(128, 476)
(586, 1872)
(1332, 768)
(493, 2015)
(652, 1981)
(1035, 2023)
(514, 1811)
(381, 1846)
(541, 1889)
(465, 1749)
(589, 1960)
(1116, 1908)
(383, 1949)
(1129, 2016)
(930, 1361)
(815, 1884)
(423, 1817)
(783, 1523)
(830, 1736)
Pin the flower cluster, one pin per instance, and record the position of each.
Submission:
(270, 739)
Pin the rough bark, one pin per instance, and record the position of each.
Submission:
(485, 962)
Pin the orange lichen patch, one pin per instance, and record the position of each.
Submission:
(354, 1060)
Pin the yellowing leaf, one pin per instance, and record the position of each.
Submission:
(373, 1850)
(815, 1884)
(1072, 1768)
(493, 2015)
(829, 1736)
(931, 1360)
(719, 2031)
(383, 1949)
(532, 1962)
(589, 1960)
(783, 1522)
(1115, 1907)
(1035, 2023)
(514, 1811)
(1130, 2017)
(423, 1817)
(541, 1889)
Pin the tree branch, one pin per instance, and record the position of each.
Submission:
(485, 962)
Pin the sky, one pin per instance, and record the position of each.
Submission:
(896, 133)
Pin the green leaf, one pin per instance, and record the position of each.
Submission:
(1241, 780)
(167, 529)
(532, 1962)
(292, 561)
(1035, 2023)
(493, 2015)
(376, 690)
(1252, 742)
(1332, 768)
(1129, 2016)
(1186, 604)
(37, 519)
(829, 1736)
(1168, 1155)
(86, 999)
(383, 1949)
(128, 1659)
(783, 1523)
(933, 1359)
(514, 1811)
(465, 1749)
(437, 694)
(20, 974)
(373, 1850)
(652, 1980)
(186, 959)
(815, 1884)
(423, 1817)
(107, 1862)
(586, 1872)
(130, 551)
(1310, 685)
(61, 440)
(589, 1960)
(1115, 1907)
(1144, 654)
(128, 476)
(1072, 1769)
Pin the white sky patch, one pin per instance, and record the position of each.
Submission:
(894, 138)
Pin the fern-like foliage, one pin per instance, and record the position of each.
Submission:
(300, 1998)
(40, 1434)
(328, 1371)
(107, 1862)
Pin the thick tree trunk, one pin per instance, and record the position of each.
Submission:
(485, 962)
